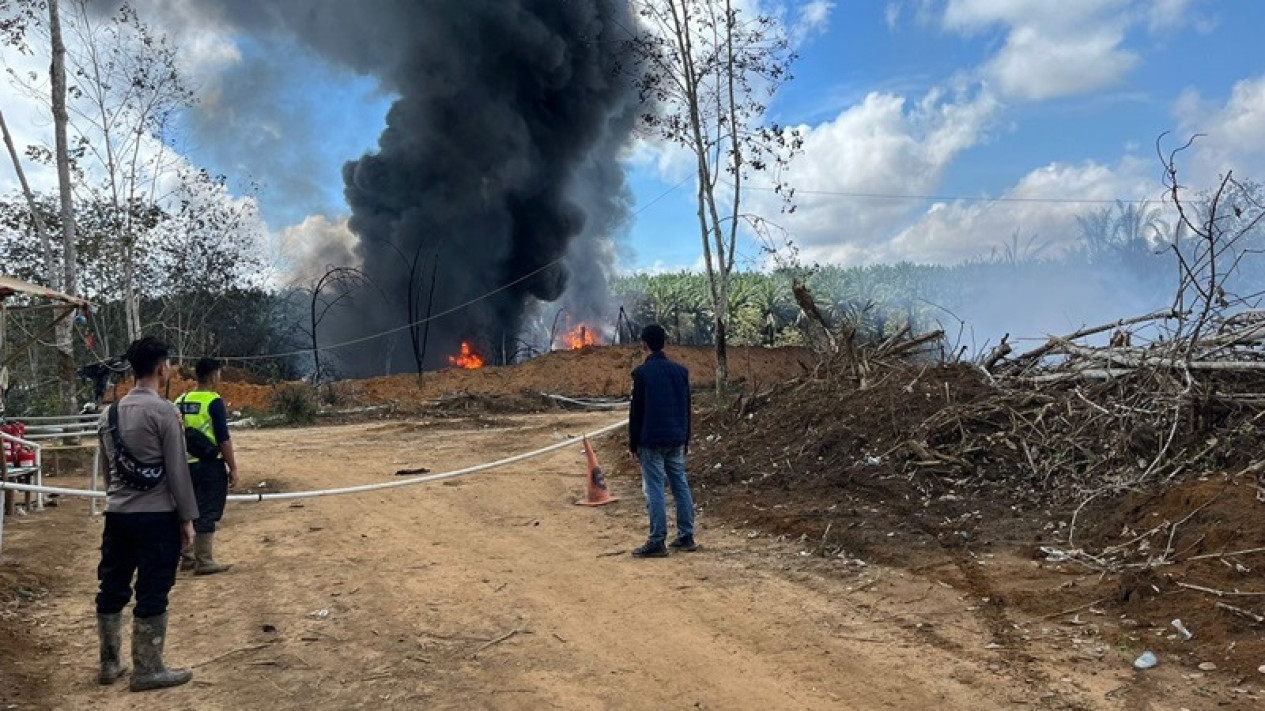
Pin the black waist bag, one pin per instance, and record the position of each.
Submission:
(134, 473)
(200, 446)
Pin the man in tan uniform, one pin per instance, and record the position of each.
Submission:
(148, 519)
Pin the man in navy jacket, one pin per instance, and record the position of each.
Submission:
(659, 435)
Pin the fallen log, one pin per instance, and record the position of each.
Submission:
(1086, 374)
(1140, 360)
(1040, 352)
(913, 343)
(1002, 350)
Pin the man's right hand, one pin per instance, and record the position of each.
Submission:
(186, 534)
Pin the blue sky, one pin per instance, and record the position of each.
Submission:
(962, 102)
(882, 77)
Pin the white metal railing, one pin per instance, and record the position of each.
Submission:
(42, 436)
(39, 464)
(59, 418)
(59, 427)
(49, 430)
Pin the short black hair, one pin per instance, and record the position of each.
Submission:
(654, 337)
(145, 355)
(205, 367)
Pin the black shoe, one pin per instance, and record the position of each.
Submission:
(651, 550)
(686, 544)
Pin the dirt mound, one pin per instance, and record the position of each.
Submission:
(1212, 529)
(237, 394)
(595, 371)
(948, 429)
(598, 371)
(923, 468)
(831, 432)
(812, 461)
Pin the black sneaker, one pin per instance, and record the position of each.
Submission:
(651, 550)
(686, 544)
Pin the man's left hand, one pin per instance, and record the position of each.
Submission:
(232, 478)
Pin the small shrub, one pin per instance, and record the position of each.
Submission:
(296, 403)
(339, 394)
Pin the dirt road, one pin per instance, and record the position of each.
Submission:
(496, 592)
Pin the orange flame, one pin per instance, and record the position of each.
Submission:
(468, 358)
(579, 337)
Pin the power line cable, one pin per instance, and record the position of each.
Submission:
(477, 299)
(957, 198)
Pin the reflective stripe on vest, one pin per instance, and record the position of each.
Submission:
(195, 412)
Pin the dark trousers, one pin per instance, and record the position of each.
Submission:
(146, 545)
(210, 486)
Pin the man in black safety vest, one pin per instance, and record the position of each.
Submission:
(211, 462)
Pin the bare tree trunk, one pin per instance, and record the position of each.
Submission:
(722, 357)
(716, 264)
(53, 274)
(708, 66)
(316, 349)
(131, 300)
(727, 251)
(65, 329)
(430, 305)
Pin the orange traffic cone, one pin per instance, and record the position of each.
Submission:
(595, 491)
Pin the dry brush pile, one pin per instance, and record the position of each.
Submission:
(1128, 455)
(1134, 405)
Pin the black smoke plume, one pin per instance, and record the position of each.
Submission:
(498, 163)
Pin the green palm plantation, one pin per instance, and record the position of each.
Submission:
(875, 301)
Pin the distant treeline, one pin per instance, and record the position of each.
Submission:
(1120, 266)
(1120, 263)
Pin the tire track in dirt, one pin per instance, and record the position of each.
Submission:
(1015, 655)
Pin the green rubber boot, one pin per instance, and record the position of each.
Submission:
(203, 552)
(148, 637)
(110, 634)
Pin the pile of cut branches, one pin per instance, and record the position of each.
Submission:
(1073, 418)
(1137, 402)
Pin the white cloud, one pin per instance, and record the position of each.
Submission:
(671, 161)
(882, 146)
(887, 146)
(1170, 15)
(205, 43)
(203, 47)
(1051, 49)
(950, 232)
(1035, 65)
(660, 266)
(891, 16)
(814, 17)
(923, 12)
(1165, 14)
(978, 15)
(1233, 133)
(29, 122)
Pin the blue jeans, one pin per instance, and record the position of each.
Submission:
(657, 465)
